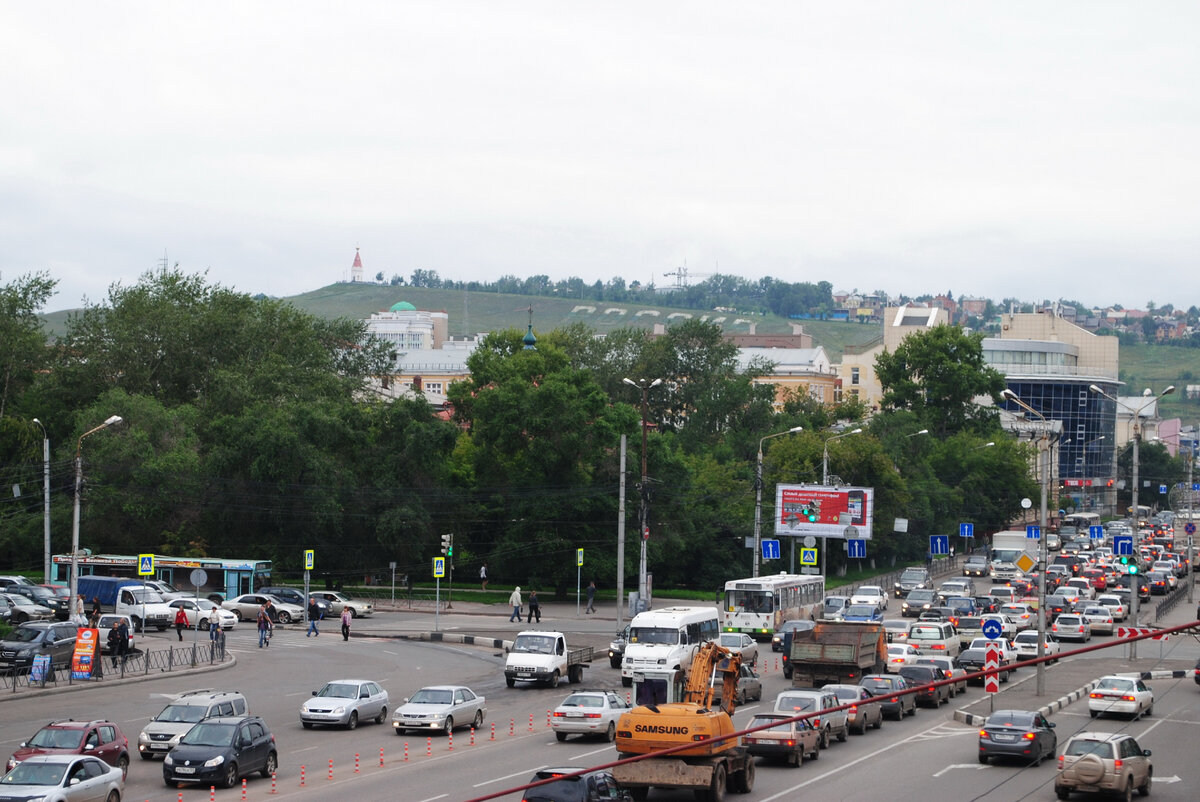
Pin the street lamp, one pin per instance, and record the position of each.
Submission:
(78, 492)
(758, 484)
(644, 488)
(825, 481)
(45, 499)
(1044, 470)
(988, 444)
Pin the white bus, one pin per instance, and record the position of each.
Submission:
(757, 606)
(667, 639)
(1081, 521)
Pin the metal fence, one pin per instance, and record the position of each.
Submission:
(141, 662)
(1172, 600)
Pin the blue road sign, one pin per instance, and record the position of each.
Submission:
(770, 549)
(1033, 532)
(145, 565)
(1190, 528)
(856, 549)
(1096, 532)
(1123, 545)
(966, 530)
(1162, 489)
(808, 556)
(1196, 486)
(439, 567)
(939, 544)
(992, 628)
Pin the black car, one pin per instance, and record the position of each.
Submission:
(977, 565)
(795, 625)
(1017, 733)
(38, 637)
(911, 579)
(918, 676)
(917, 601)
(1073, 563)
(589, 786)
(293, 596)
(45, 597)
(988, 604)
(973, 660)
(220, 751)
(1127, 581)
(898, 706)
(1197, 672)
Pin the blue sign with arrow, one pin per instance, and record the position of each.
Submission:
(966, 530)
(1096, 532)
(770, 549)
(939, 544)
(856, 549)
(992, 628)
(1033, 532)
(1123, 545)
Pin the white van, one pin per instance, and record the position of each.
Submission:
(667, 639)
(934, 638)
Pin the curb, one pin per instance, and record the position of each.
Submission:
(975, 720)
(448, 637)
(126, 680)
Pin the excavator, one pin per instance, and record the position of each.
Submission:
(676, 709)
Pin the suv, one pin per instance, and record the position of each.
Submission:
(587, 786)
(809, 700)
(100, 739)
(38, 637)
(165, 730)
(917, 602)
(911, 579)
(1103, 762)
(222, 750)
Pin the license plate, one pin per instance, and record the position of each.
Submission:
(185, 770)
(574, 715)
(524, 674)
(1000, 737)
(160, 746)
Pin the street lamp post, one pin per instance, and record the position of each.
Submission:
(825, 481)
(758, 485)
(644, 489)
(45, 500)
(78, 492)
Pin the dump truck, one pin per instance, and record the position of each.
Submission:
(836, 652)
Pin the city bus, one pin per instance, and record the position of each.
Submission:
(1081, 521)
(758, 605)
(227, 577)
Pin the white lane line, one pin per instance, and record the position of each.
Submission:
(305, 749)
(952, 766)
(431, 798)
(524, 773)
(297, 693)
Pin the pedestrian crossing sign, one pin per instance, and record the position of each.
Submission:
(439, 567)
(309, 559)
(578, 557)
(808, 556)
(145, 565)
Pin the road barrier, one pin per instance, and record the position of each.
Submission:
(141, 662)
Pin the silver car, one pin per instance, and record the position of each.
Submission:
(743, 644)
(345, 702)
(589, 713)
(440, 707)
(246, 608)
(339, 601)
(70, 778)
(23, 609)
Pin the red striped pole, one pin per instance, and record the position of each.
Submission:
(512, 724)
(531, 722)
(450, 739)
(406, 751)
(381, 755)
(330, 775)
(243, 789)
(273, 789)
(356, 763)
(429, 747)
(472, 736)
(493, 731)
(301, 782)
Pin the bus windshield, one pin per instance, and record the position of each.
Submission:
(750, 601)
(654, 635)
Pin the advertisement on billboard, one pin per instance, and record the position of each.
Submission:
(87, 652)
(802, 510)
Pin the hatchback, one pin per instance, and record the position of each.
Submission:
(863, 712)
(1017, 733)
(65, 778)
(586, 786)
(220, 751)
(99, 739)
(345, 702)
(923, 677)
(901, 704)
(1070, 626)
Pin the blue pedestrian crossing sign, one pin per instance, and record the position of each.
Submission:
(308, 559)
(808, 556)
(966, 530)
(1123, 545)
(1096, 532)
(770, 549)
(1033, 532)
(992, 628)
(939, 544)
(439, 567)
(145, 565)
(856, 549)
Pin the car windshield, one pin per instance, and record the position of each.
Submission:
(866, 610)
(188, 714)
(25, 635)
(534, 644)
(582, 700)
(167, 587)
(780, 726)
(879, 684)
(339, 690)
(1115, 684)
(38, 593)
(920, 595)
(430, 696)
(733, 641)
(912, 574)
(210, 734)
(849, 694)
(50, 738)
(666, 635)
(797, 703)
(36, 774)
(1011, 718)
(1079, 747)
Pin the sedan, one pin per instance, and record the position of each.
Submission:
(950, 669)
(1026, 643)
(1117, 607)
(900, 655)
(832, 607)
(923, 677)
(202, 612)
(22, 609)
(900, 705)
(1124, 695)
(1024, 615)
(344, 702)
(246, 608)
(896, 629)
(870, 594)
(974, 660)
(1008, 652)
(862, 614)
(864, 712)
(340, 601)
(976, 565)
(749, 686)
(1017, 733)
(741, 643)
(1070, 626)
(1099, 617)
(440, 707)
(589, 713)
(68, 778)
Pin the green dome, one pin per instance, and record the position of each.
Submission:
(403, 306)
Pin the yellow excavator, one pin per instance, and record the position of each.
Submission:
(677, 710)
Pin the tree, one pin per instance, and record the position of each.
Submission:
(22, 345)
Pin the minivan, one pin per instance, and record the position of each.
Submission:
(938, 638)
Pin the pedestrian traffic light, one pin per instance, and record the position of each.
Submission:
(448, 545)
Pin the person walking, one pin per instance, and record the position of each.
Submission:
(123, 639)
(591, 592)
(483, 576)
(114, 642)
(264, 627)
(515, 601)
(181, 621)
(216, 640)
(535, 608)
(77, 616)
(314, 615)
(94, 618)
(347, 617)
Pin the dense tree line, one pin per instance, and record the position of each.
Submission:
(249, 431)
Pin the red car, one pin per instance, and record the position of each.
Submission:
(1096, 577)
(100, 739)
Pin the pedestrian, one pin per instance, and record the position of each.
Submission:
(123, 639)
(77, 616)
(114, 642)
(535, 609)
(264, 627)
(515, 601)
(96, 611)
(181, 621)
(591, 591)
(347, 617)
(483, 576)
(928, 559)
(314, 615)
(216, 640)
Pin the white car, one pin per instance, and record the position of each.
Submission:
(1007, 649)
(900, 655)
(742, 644)
(1072, 626)
(440, 708)
(65, 778)
(345, 702)
(870, 594)
(1115, 606)
(1084, 586)
(588, 713)
(168, 591)
(1099, 617)
(1008, 625)
(1023, 615)
(1026, 643)
(246, 608)
(1124, 695)
(202, 612)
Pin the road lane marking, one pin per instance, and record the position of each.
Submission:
(431, 798)
(975, 766)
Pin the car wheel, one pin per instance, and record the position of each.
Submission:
(561, 736)
(716, 791)
(510, 681)
(1062, 793)
(1144, 788)
(114, 796)
(554, 679)
(1094, 713)
(352, 722)
(123, 765)
(477, 722)
(285, 617)
(615, 663)
(842, 735)
(743, 781)
(626, 682)
(824, 739)
(271, 766)
(611, 733)
(1127, 794)
(146, 756)
(1149, 710)
(237, 614)
(204, 624)
(448, 726)
(983, 759)
(741, 697)
(879, 721)
(231, 776)
(382, 717)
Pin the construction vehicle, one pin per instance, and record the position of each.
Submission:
(675, 709)
(836, 652)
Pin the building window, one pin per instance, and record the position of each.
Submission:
(854, 375)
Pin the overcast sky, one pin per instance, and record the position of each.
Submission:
(1030, 150)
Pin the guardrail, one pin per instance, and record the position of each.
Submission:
(138, 663)
(1171, 602)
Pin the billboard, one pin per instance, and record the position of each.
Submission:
(802, 510)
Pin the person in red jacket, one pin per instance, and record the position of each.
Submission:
(181, 621)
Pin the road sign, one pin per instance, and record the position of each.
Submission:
(1123, 545)
(1131, 632)
(939, 544)
(808, 556)
(770, 549)
(439, 567)
(1190, 528)
(145, 565)
(1033, 532)
(1162, 489)
(308, 559)
(198, 577)
(991, 661)
(578, 557)
(1025, 563)
(992, 628)
(856, 549)
(966, 530)
(1096, 532)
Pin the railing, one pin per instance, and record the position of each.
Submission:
(1172, 601)
(138, 663)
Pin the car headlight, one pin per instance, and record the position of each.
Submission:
(168, 761)
(337, 711)
(216, 761)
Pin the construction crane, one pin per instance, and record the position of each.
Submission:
(681, 276)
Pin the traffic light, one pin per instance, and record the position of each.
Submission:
(448, 545)
(1129, 564)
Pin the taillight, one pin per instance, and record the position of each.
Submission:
(1029, 736)
(1118, 763)
(853, 708)
(983, 733)
(1128, 699)
(938, 646)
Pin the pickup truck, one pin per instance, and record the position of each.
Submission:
(540, 656)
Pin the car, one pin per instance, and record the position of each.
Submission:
(899, 705)
(974, 660)
(1083, 585)
(962, 605)
(168, 591)
(781, 739)
(1008, 652)
(1058, 574)
(831, 723)
(749, 686)
(202, 612)
(246, 608)
(293, 596)
(918, 601)
(1053, 541)
(344, 703)
(976, 565)
(616, 647)
(592, 712)
(58, 605)
(862, 614)
(832, 606)
(896, 629)
(1026, 643)
(900, 655)
(164, 732)
(741, 643)
(796, 625)
(1023, 734)
(63, 778)
(99, 738)
(56, 639)
(935, 614)
(1097, 577)
(922, 678)
(988, 604)
(7, 580)
(220, 751)
(957, 587)
(440, 707)
(1021, 614)
(104, 624)
(1103, 762)
(1116, 606)
(950, 669)
(935, 638)
(870, 594)
(1071, 626)
(339, 601)
(1159, 583)
(22, 609)
(1129, 696)
(575, 784)
(911, 579)
(865, 711)
(1099, 617)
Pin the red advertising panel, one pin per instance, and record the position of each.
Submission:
(87, 652)
(802, 510)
